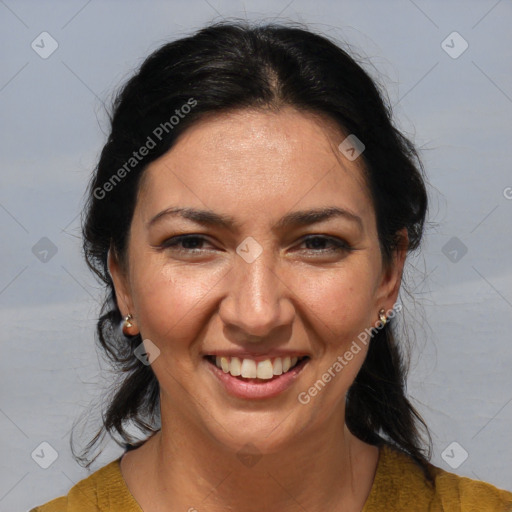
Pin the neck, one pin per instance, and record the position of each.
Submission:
(189, 470)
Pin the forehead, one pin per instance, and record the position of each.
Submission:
(257, 160)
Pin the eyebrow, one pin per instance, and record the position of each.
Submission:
(293, 219)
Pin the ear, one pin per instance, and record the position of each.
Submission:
(391, 278)
(121, 284)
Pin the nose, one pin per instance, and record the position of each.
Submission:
(257, 301)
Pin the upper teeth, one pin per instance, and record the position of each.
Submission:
(250, 369)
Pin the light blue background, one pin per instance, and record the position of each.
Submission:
(458, 111)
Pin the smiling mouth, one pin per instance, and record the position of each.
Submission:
(249, 370)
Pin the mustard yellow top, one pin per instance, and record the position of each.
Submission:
(399, 486)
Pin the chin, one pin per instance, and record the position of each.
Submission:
(264, 432)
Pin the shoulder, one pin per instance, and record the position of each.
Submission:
(104, 490)
(400, 482)
(468, 495)
(56, 505)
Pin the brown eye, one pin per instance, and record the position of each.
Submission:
(318, 243)
(185, 243)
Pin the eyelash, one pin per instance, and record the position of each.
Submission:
(338, 244)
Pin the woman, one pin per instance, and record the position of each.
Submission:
(250, 216)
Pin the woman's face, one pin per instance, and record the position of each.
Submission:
(254, 279)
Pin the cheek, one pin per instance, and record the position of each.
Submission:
(339, 307)
(341, 303)
(171, 303)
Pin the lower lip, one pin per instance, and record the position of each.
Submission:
(256, 388)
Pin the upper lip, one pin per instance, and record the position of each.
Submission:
(245, 354)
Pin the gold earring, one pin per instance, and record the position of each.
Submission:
(382, 317)
(127, 322)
